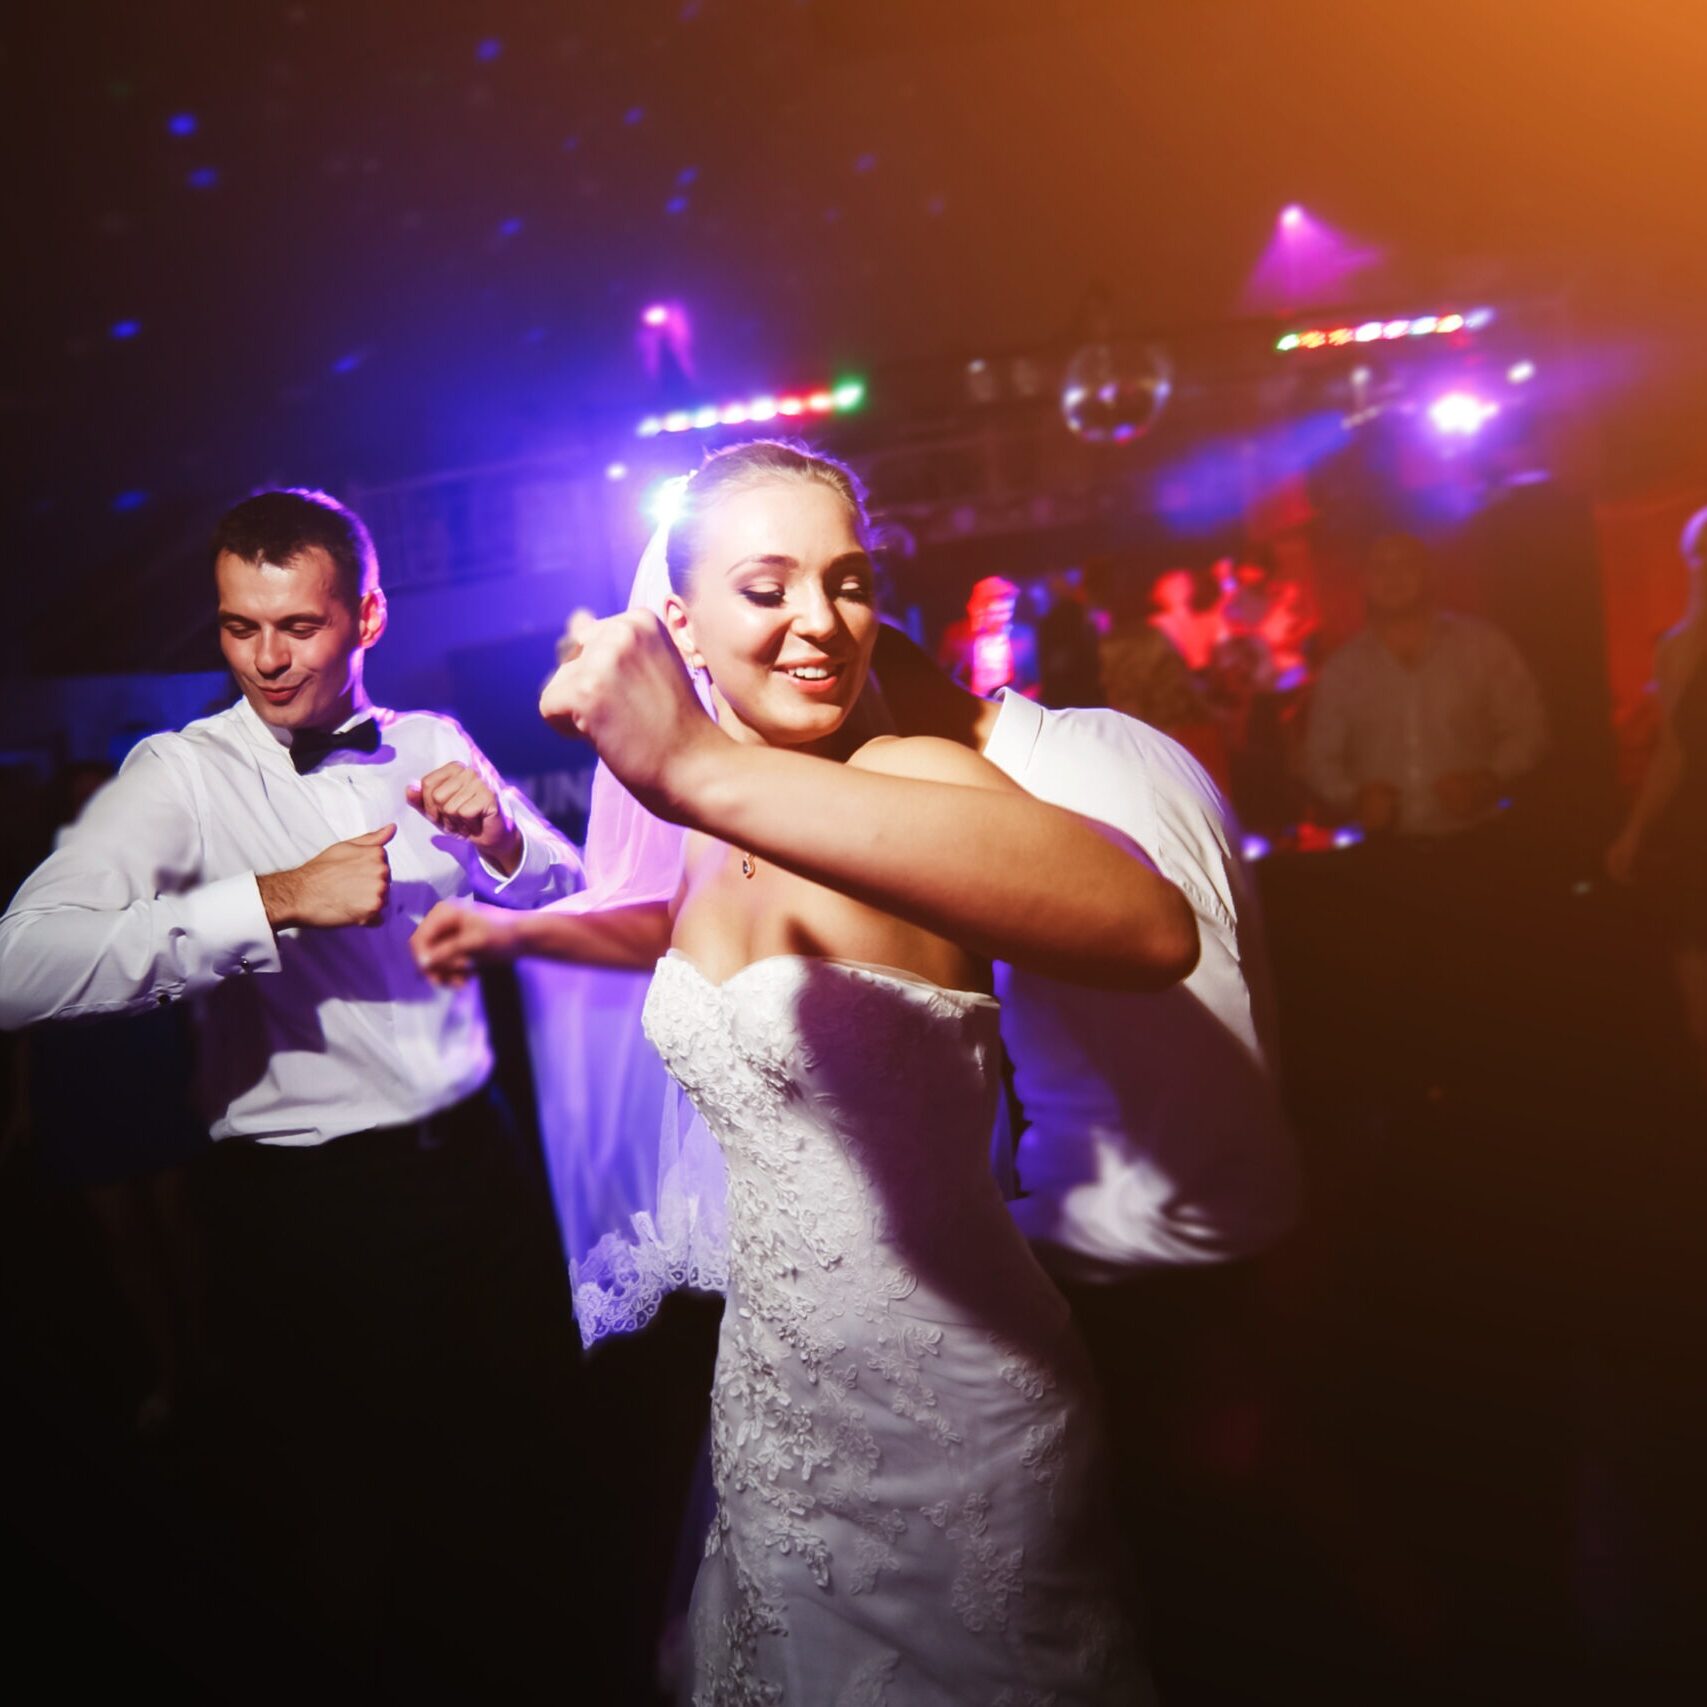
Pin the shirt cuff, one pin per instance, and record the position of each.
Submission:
(226, 922)
(528, 881)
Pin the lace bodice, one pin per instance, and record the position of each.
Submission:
(853, 1103)
(897, 1399)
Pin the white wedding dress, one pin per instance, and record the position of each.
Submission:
(911, 1508)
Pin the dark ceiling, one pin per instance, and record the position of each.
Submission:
(324, 242)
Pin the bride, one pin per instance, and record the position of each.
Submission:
(904, 1437)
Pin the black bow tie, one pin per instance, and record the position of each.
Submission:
(309, 746)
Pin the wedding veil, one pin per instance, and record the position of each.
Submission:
(637, 1176)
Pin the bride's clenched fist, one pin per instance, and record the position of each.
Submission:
(627, 690)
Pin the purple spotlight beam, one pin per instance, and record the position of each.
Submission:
(1307, 262)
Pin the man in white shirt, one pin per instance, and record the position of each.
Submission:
(400, 1313)
(1155, 1155)
(1156, 1159)
(1423, 721)
(1155, 1137)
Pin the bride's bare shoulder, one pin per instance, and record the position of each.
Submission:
(930, 758)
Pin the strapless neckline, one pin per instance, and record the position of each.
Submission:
(870, 969)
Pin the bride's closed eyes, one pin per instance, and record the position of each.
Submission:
(844, 582)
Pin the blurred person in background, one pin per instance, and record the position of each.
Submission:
(1420, 723)
(1069, 673)
(108, 1104)
(1663, 844)
(989, 648)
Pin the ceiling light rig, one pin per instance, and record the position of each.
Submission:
(1384, 331)
(838, 399)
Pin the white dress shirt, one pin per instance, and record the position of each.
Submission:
(1468, 703)
(152, 897)
(1156, 1135)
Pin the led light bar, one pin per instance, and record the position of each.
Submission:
(838, 399)
(1384, 331)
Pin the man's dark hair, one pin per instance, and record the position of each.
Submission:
(275, 526)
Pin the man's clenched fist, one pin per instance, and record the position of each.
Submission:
(345, 884)
(466, 801)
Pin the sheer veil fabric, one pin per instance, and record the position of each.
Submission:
(636, 1174)
(637, 1177)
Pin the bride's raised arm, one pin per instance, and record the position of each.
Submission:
(921, 828)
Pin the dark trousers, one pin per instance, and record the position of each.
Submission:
(398, 1427)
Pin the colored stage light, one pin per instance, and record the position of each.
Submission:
(616, 471)
(1460, 413)
(845, 395)
(1420, 326)
(123, 329)
(656, 315)
(1292, 216)
(663, 500)
(1520, 373)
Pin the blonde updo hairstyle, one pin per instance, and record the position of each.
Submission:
(738, 468)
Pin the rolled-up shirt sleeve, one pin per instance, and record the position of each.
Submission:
(117, 919)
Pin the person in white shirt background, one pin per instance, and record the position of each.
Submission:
(1424, 720)
(1155, 1160)
(397, 1337)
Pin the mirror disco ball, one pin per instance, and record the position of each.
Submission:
(1112, 393)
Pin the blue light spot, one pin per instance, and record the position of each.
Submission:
(676, 204)
(183, 124)
(350, 362)
(488, 50)
(125, 328)
(134, 499)
(865, 163)
(687, 175)
(634, 115)
(203, 178)
(511, 228)
(570, 144)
